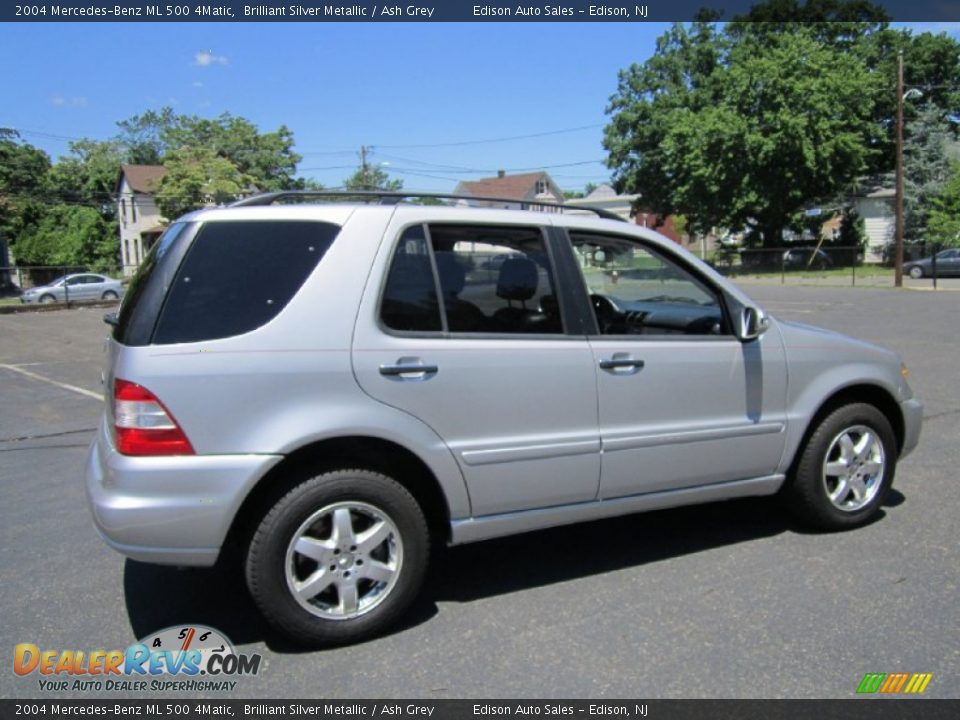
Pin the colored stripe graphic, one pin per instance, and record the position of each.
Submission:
(871, 682)
(894, 683)
(918, 683)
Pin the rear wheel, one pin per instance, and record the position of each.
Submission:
(339, 558)
(845, 470)
(109, 295)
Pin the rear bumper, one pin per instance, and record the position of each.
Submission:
(912, 410)
(168, 510)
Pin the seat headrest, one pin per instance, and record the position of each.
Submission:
(453, 276)
(518, 279)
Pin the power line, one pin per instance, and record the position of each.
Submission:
(492, 140)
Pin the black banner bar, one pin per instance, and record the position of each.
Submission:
(420, 11)
(856, 709)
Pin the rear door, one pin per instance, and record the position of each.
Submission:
(462, 327)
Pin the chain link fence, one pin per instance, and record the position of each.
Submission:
(924, 265)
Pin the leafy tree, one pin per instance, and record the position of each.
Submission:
(198, 176)
(740, 133)
(926, 167)
(71, 235)
(89, 175)
(143, 136)
(943, 222)
(370, 177)
(267, 159)
(23, 182)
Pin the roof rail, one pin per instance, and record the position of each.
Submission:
(384, 197)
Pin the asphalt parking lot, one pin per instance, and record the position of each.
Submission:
(726, 600)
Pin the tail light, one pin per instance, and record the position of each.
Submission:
(142, 425)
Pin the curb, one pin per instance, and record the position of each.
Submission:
(52, 307)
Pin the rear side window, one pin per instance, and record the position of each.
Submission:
(239, 275)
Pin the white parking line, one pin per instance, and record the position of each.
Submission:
(65, 386)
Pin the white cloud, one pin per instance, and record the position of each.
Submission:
(205, 58)
(75, 101)
(197, 83)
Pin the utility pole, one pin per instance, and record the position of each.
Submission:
(363, 167)
(898, 257)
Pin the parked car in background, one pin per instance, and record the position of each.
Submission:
(79, 287)
(804, 258)
(948, 265)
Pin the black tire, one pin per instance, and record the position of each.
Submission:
(808, 491)
(47, 299)
(272, 565)
(916, 272)
(109, 295)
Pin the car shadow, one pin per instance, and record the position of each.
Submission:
(161, 596)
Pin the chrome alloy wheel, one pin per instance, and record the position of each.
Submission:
(853, 468)
(344, 560)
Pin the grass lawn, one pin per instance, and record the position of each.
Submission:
(864, 271)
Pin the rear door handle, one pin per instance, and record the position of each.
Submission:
(408, 368)
(621, 361)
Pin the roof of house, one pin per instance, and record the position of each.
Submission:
(509, 186)
(143, 178)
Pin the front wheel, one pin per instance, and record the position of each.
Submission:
(47, 299)
(916, 272)
(845, 470)
(109, 295)
(339, 558)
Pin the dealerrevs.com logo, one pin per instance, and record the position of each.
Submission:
(179, 659)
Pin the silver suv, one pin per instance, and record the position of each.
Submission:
(332, 388)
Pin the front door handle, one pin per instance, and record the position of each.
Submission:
(408, 368)
(621, 361)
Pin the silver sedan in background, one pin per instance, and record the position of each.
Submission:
(79, 287)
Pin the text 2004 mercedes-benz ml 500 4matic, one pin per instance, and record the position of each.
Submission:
(330, 389)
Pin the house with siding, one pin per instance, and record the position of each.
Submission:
(876, 207)
(517, 190)
(137, 212)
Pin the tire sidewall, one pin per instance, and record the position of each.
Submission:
(809, 475)
(267, 555)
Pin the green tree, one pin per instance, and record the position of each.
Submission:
(926, 167)
(143, 137)
(943, 222)
(370, 177)
(198, 176)
(267, 159)
(71, 235)
(89, 175)
(741, 133)
(23, 185)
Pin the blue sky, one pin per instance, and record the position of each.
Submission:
(339, 86)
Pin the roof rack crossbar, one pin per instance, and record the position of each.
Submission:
(394, 197)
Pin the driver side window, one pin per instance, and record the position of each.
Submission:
(635, 291)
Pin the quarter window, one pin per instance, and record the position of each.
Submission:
(238, 275)
(636, 291)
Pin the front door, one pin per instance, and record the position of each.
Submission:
(683, 403)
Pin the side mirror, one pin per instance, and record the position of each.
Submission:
(751, 323)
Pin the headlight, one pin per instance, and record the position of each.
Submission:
(904, 371)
